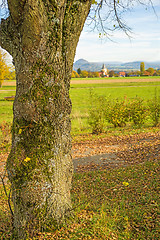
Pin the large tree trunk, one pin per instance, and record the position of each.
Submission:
(42, 36)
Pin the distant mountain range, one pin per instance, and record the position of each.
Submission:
(116, 66)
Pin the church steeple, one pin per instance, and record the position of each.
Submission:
(104, 71)
(103, 66)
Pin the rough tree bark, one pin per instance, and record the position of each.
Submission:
(41, 36)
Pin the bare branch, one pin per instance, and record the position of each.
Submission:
(107, 15)
(121, 23)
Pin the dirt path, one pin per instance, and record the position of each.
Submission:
(114, 80)
(110, 152)
(100, 80)
(9, 83)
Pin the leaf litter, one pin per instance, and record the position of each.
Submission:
(117, 204)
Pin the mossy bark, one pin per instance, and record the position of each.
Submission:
(42, 37)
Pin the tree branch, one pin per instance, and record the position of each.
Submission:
(109, 15)
(121, 24)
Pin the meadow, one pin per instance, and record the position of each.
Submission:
(81, 100)
(121, 203)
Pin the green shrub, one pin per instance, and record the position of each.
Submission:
(154, 109)
(117, 112)
(97, 113)
(121, 111)
(137, 111)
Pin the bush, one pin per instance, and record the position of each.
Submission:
(97, 113)
(154, 109)
(117, 113)
(137, 112)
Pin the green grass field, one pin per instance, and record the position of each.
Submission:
(80, 96)
(6, 107)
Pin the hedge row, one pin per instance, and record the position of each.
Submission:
(120, 112)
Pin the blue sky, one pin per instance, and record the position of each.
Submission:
(144, 44)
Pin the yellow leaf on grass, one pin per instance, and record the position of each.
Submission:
(20, 131)
(27, 159)
(125, 184)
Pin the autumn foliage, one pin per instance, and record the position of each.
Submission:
(6, 72)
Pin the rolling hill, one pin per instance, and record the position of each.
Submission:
(116, 66)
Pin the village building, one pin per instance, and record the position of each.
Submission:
(122, 74)
(104, 71)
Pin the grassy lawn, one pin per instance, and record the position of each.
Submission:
(8, 88)
(116, 85)
(80, 96)
(6, 107)
(118, 204)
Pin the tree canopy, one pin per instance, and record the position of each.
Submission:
(3, 68)
(142, 68)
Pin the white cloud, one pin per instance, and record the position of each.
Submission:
(119, 54)
(141, 48)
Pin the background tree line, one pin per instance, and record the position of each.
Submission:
(84, 74)
(148, 72)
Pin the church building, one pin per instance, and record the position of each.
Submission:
(104, 71)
